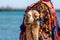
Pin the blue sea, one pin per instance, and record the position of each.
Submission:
(10, 22)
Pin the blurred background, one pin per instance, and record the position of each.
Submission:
(11, 16)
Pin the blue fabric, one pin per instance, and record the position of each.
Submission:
(39, 19)
(22, 28)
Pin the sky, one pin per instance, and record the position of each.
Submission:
(22, 4)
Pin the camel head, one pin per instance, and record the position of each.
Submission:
(31, 16)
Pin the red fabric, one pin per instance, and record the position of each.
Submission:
(53, 14)
(20, 36)
(45, 0)
(57, 37)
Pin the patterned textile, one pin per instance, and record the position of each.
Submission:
(48, 22)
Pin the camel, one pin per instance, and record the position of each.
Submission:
(32, 24)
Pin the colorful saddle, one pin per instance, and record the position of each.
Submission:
(48, 25)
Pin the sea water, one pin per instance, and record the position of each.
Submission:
(10, 22)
